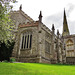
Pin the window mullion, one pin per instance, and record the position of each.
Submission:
(24, 41)
(27, 41)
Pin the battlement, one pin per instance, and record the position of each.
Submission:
(28, 24)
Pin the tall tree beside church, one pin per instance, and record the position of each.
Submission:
(6, 28)
(6, 25)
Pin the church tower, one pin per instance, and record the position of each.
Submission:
(65, 26)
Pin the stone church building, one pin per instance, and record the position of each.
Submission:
(36, 43)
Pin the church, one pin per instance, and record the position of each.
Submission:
(36, 43)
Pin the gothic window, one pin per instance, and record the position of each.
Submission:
(69, 45)
(26, 40)
(70, 53)
(70, 48)
(47, 42)
(47, 47)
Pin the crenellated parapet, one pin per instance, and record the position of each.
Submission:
(28, 24)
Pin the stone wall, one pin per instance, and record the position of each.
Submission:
(70, 60)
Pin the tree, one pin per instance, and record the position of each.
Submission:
(6, 50)
(6, 28)
(6, 24)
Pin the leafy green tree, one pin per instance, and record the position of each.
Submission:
(6, 29)
(6, 24)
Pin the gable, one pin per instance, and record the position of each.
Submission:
(20, 17)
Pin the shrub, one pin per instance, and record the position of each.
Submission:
(6, 50)
(12, 60)
(5, 61)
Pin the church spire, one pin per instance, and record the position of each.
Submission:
(65, 26)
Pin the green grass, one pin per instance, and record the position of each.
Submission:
(35, 69)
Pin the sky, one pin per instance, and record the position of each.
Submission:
(52, 12)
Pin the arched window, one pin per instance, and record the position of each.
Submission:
(47, 46)
(26, 40)
(69, 48)
(69, 45)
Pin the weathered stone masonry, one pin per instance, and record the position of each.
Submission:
(36, 43)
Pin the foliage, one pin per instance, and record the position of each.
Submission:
(5, 61)
(12, 60)
(6, 50)
(36, 69)
(6, 24)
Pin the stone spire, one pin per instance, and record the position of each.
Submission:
(65, 26)
(20, 8)
(40, 17)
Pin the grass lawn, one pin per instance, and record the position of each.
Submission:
(35, 69)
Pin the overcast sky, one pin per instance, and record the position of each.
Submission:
(52, 11)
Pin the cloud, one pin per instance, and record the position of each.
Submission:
(71, 20)
(56, 19)
(69, 8)
(71, 25)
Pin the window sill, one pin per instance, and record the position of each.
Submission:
(24, 49)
